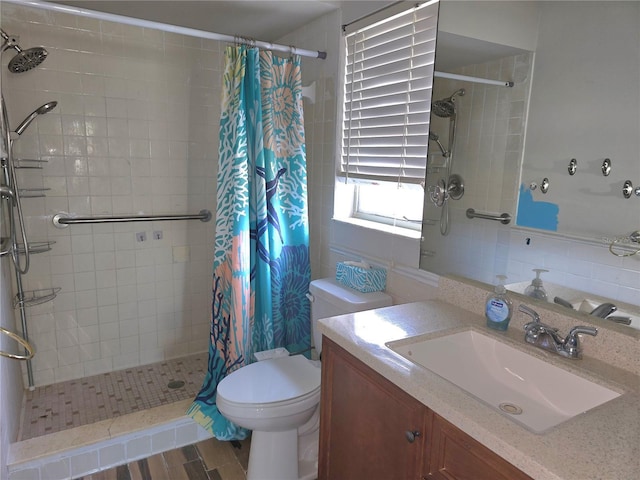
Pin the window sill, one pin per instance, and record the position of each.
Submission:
(380, 227)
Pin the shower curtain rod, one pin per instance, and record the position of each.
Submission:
(111, 17)
(467, 78)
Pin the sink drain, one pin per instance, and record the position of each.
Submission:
(510, 408)
(176, 384)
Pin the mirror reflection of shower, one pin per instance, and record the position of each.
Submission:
(451, 186)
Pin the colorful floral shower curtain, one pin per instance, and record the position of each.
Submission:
(261, 268)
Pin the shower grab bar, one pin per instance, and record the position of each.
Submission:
(503, 218)
(63, 220)
(29, 351)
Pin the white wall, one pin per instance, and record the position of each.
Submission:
(135, 131)
(585, 104)
(512, 23)
(585, 101)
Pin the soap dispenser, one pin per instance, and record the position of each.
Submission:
(536, 290)
(498, 307)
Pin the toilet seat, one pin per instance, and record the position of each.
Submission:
(276, 382)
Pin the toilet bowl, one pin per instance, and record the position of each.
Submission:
(273, 398)
(279, 398)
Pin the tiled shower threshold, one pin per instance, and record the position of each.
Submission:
(84, 450)
(76, 451)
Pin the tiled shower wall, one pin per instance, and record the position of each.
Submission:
(135, 131)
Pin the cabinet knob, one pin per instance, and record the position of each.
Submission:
(411, 435)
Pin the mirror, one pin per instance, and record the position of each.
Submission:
(576, 69)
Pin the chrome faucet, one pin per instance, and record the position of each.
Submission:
(546, 337)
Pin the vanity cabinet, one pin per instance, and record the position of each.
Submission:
(454, 455)
(370, 428)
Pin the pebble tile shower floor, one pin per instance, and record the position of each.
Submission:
(57, 407)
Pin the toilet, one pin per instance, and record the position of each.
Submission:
(279, 398)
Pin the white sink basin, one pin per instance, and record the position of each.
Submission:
(531, 392)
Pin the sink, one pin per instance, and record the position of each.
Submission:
(529, 391)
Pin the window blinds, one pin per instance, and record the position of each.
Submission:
(388, 79)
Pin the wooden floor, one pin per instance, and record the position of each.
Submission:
(207, 460)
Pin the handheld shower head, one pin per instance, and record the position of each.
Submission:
(24, 60)
(433, 136)
(46, 108)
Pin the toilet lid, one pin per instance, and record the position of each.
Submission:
(273, 380)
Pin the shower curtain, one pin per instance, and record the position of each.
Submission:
(261, 268)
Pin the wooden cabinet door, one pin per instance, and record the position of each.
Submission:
(366, 423)
(454, 455)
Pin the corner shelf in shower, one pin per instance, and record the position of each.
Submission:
(36, 297)
(36, 247)
(30, 163)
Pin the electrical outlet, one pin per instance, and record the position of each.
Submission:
(157, 234)
(141, 236)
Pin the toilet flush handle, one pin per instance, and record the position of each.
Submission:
(310, 297)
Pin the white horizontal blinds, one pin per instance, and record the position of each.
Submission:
(388, 79)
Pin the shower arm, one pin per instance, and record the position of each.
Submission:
(9, 42)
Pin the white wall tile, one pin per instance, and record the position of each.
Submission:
(112, 455)
(84, 463)
(139, 447)
(25, 474)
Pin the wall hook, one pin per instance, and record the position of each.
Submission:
(573, 166)
(606, 167)
(627, 189)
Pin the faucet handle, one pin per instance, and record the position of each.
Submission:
(531, 312)
(593, 331)
(572, 342)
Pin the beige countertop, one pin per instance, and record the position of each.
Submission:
(603, 443)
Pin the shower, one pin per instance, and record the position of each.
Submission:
(24, 60)
(451, 186)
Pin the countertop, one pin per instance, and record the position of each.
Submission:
(603, 443)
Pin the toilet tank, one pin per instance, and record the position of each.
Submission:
(329, 298)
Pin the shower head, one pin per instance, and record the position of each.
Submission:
(24, 60)
(47, 107)
(446, 107)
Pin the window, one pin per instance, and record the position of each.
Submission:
(385, 125)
